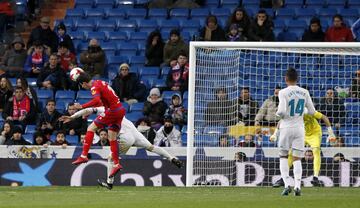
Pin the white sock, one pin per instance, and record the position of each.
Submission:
(297, 173)
(284, 170)
(109, 169)
(162, 152)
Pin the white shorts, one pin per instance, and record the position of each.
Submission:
(130, 136)
(292, 138)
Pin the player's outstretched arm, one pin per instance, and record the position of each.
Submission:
(87, 111)
(328, 126)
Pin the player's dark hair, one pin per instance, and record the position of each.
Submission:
(101, 130)
(246, 88)
(291, 75)
(83, 77)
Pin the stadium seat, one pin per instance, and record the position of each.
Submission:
(286, 13)
(296, 24)
(97, 35)
(125, 4)
(199, 13)
(168, 94)
(127, 49)
(152, 71)
(353, 3)
(45, 94)
(109, 47)
(72, 139)
(104, 3)
(30, 129)
(279, 24)
(212, 3)
(82, 24)
(83, 94)
(293, 4)
(117, 60)
(190, 24)
(287, 36)
(179, 13)
(76, 35)
(165, 72)
(315, 3)
(170, 24)
(109, 25)
(327, 12)
(134, 116)
(138, 37)
(251, 3)
(336, 4)
(159, 83)
(94, 13)
(118, 35)
(206, 141)
(158, 14)
(115, 14)
(137, 107)
(65, 94)
(137, 61)
(73, 13)
(231, 4)
(220, 12)
(305, 13)
(61, 105)
(136, 14)
(29, 138)
(84, 3)
(126, 25)
(349, 13)
(147, 25)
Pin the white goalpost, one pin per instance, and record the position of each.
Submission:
(229, 116)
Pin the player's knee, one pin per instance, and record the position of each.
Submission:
(297, 154)
(283, 153)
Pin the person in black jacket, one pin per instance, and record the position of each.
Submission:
(127, 86)
(44, 34)
(52, 76)
(49, 119)
(75, 126)
(6, 91)
(154, 49)
(261, 29)
(64, 38)
(314, 33)
(17, 138)
(212, 31)
(143, 125)
(241, 19)
(155, 108)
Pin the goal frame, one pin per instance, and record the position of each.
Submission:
(190, 150)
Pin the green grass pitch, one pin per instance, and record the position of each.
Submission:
(173, 197)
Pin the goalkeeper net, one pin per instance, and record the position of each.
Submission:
(232, 107)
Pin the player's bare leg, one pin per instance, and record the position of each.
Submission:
(87, 144)
(114, 147)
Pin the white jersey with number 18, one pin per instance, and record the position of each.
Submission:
(292, 102)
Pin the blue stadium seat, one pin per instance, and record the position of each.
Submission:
(109, 25)
(212, 3)
(84, 3)
(138, 37)
(327, 12)
(190, 24)
(76, 35)
(159, 83)
(165, 72)
(246, 3)
(65, 94)
(71, 13)
(170, 24)
(214, 130)
(97, 35)
(104, 3)
(184, 140)
(134, 116)
(153, 71)
(126, 25)
(305, 13)
(287, 37)
(349, 13)
(137, 61)
(297, 24)
(353, 3)
(28, 138)
(119, 35)
(115, 14)
(61, 105)
(126, 4)
(94, 13)
(109, 47)
(279, 24)
(158, 14)
(293, 4)
(72, 139)
(147, 25)
(168, 94)
(69, 24)
(136, 14)
(31, 82)
(336, 4)
(45, 94)
(315, 3)
(231, 4)
(220, 12)
(30, 129)
(137, 107)
(179, 13)
(83, 94)
(127, 49)
(83, 24)
(286, 12)
(117, 60)
(199, 13)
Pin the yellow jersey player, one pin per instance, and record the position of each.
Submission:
(313, 134)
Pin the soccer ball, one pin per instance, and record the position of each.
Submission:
(75, 73)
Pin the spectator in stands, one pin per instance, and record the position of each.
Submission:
(241, 19)
(155, 108)
(240, 157)
(29, 91)
(314, 33)
(177, 78)
(234, 34)
(64, 38)
(176, 110)
(339, 157)
(248, 141)
(6, 92)
(40, 139)
(6, 132)
(49, 119)
(44, 34)
(339, 32)
(93, 60)
(212, 31)
(261, 29)
(224, 140)
(14, 59)
(247, 107)
(127, 86)
(355, 29)
(266, 114)
(143, 125)
(36, 60)
(103, 141)
(52, 77)
(332, 107)
(221, 111)
(173, 47)
(154, 49)
(168, 135)
(75, 126)
(308, 155)
(19, 109)
(61, 139)
(66, 56)
(339, 142)
(17, 138)
(355, 85)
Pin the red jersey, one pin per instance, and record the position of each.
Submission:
(103, 95)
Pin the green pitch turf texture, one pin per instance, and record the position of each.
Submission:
(174, 197)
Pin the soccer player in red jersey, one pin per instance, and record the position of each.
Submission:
(103, 95)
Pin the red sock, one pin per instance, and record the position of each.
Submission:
(114, 147)
(87, 142)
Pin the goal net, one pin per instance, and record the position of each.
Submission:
(232, 103)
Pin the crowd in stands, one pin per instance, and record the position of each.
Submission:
(49, 55)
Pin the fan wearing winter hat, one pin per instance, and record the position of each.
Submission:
(234, 34)
(212, 31)
(63, 37)
(155, 108)
(173, 46)
(14, 59)
(176, 110)
(17, 138)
